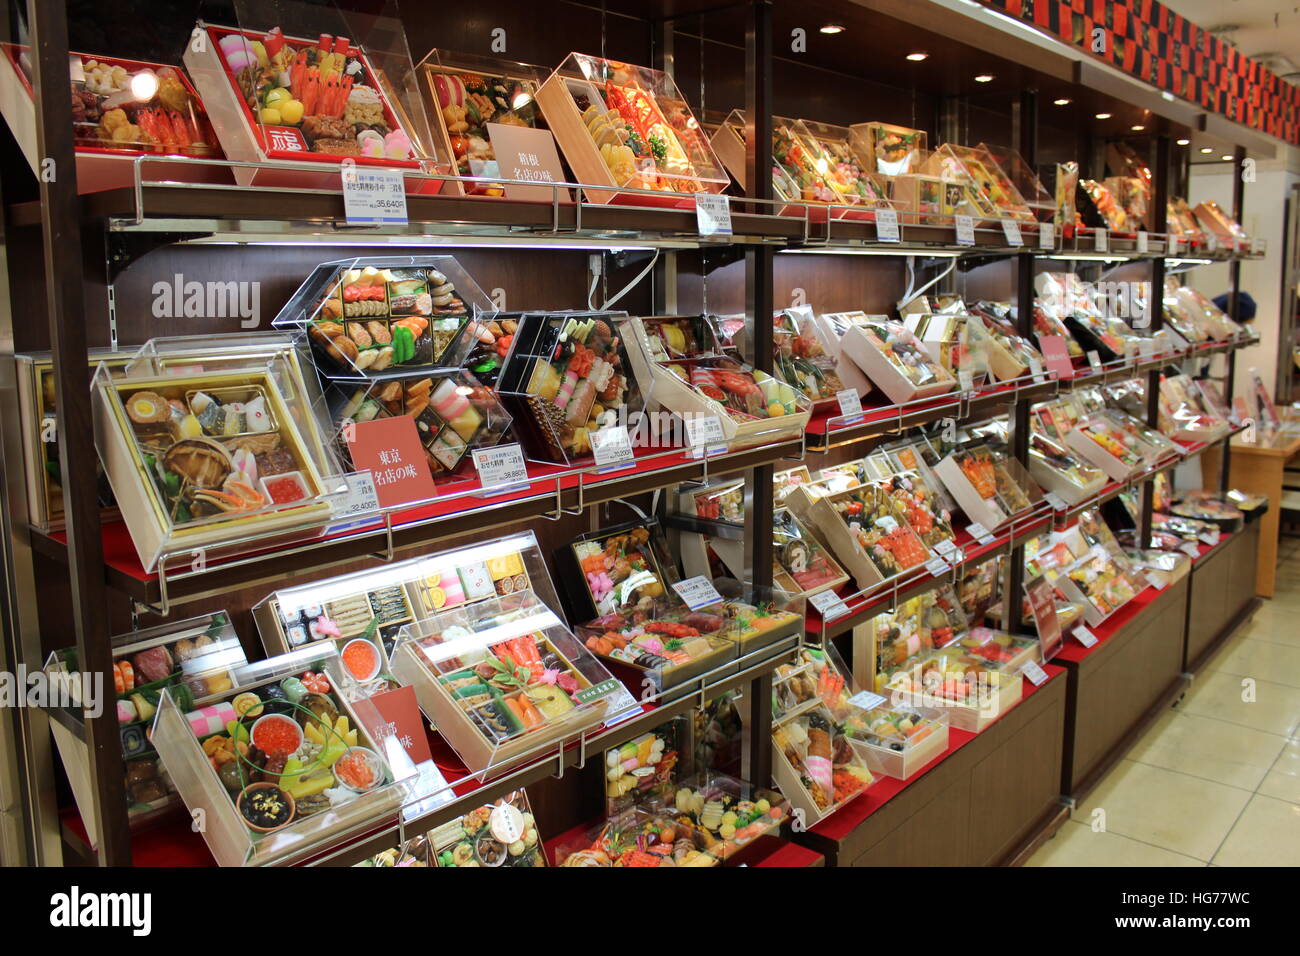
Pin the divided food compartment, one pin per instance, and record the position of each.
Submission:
(351, 93)
(691, 373)
(970, 693)
(500, 834)
(505, 681)
(466, 95)
(815, 765)
(568, 375)
(627, 126)
(616, 570)
(195, 657)
(845, 169)
(890, 150)
(1114, 444)
(1097, 582)
(635, 837)
(121, 109)
(796, 184)
(377, 604)
(213, 463)
(729, 813)
(384, 316)
(453, 413)
(281, 766)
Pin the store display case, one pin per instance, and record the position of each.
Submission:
(470, 97)
(566, 377)
(644, 770)
(504, 680)
(987, 484)
(1022, 180)
(375, 605)
(628, 127)
(122, 109)
(690, 374)
(193, 658)
(319, 87)
(896, 360)
(989, 194)
(503, 833)
(381, 316)
(1208, 317)
(453, 414)
(866, 529)
(211, 461)
(1098, 582)
(282, 763)
(848, 173)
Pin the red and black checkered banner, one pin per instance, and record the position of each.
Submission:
(1147, 40)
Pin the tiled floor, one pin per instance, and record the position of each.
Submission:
(1216, 781)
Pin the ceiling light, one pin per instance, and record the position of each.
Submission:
(1184, 142)
(1063, 101)
(1103, 116)
(984, 78)
(832, 28)
(1137, 127)
(918, 56)
(1207, 149)
(1227, 158)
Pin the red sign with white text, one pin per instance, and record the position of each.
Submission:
(390, 449)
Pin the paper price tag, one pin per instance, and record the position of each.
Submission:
(712, 214)
(697, 592)
(703, 432)
(373, 196)
(829, 605)
(1156, 581)
(937, 567)
(887, 225)
(1046, 235)
(1101, 240)
(1211, 242)
(965, 230)
(980, 533)
(1055, 501)
(945, 547)
(612, 448)
(1034, 671)
(867, 700)
(1036, 368)
(850, 405)
(361, 498)
(1210, 537)
(1143, 241)
(1085, 636)
(1094, 360)
(1011, 229)
(502, 468)
(966, 381)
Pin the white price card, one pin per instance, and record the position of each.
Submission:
(502, 468)
(361, 498)
(712, 214)
(979, 533)
(1046, 235)
(1036, 368)
(937, 567)
(867, 700)
(697, 592)
(1011, 229)
(1171, 245)
(1085, 636)
(967, 381)
(945, 547)
(828, 605)
(704, 432)
(1144, 241)
(1094, 360)
(1210, 537)
(887, 225)
(1101, 240)
(1034, 671)
(850, 405)
(1055, 501)
(612, 448)
(1211, 242)
(1191, 549)
(1156, 581)
(965, 230)
(373, 196)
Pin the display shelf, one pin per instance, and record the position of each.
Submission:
(840, 824)
(552, 492)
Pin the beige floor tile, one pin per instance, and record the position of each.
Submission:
(1171, 810)
(1268, 834)
(1283, 780)
(1075, 844)
(1276, 707)
(1210, 748)
(1276, 624)
(1261, 660)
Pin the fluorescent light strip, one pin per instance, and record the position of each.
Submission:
(1087, 257)
(841, 251)
(467, 242)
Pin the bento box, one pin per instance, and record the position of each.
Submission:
(499, 834)
(281, 766)
(893, 150)
(505, 681)
(794, 182)
(896, 360)
(896, 741)
(987, 484)
(1062, 473)
(969, 693)
(815, 765)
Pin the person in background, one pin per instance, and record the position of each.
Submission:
(1245, 305)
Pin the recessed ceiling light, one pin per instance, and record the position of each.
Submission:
(918, 56)
(1103, 116)
(1184, 142)
(832, 28)
(1063, 101)
(984, 78)
(1207, 149)
(1137, 127)
(1226, 158)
